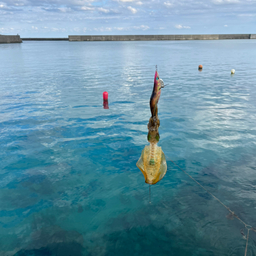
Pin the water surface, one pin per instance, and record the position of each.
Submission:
(69, 184)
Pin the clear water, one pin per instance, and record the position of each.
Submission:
(69, 184)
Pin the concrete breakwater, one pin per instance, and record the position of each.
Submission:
(17, 39)
(10, 39)
(160, 37)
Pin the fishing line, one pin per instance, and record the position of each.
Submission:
(149, 193)
(248, 227)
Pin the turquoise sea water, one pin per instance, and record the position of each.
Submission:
(69, 184)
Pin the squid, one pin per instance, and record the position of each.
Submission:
(152, 162)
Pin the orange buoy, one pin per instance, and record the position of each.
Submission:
(200, 67)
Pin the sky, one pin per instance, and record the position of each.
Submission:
(60, 18)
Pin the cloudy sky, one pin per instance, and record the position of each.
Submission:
(60, 18)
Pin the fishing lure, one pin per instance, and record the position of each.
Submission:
(155, 96)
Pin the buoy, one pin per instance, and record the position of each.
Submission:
(233, 71)
(105, 95)
(105, 100)
(200, 67)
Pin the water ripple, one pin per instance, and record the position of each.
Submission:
(69, 184)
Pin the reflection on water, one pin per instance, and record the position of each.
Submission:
(69, 184)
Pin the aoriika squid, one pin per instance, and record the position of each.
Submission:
(152, 162)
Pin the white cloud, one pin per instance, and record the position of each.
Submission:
(103, 10)
(76, 29)
(80, 2)
(63, 9)
(7, 30)
(247, 15)
(225, 25)
(127, 1)
(137, 2)
(19, 4)
(133, 10)
(102, 29)
(86, 8)
(225, 1)
(178, 26)
(119, 28)
(168, 4)
(143, 27)
(181, 27)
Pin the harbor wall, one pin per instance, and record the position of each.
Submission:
(10, 39)
(234, 36)
(17, 39)
(158, 37)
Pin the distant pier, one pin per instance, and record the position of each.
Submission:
(75, 38)
(160, 37)
(10, 39)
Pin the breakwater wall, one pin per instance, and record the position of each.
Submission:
(10, 39)
(160, 37)
(45, 39)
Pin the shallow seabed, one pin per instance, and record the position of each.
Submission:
(69, 184)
